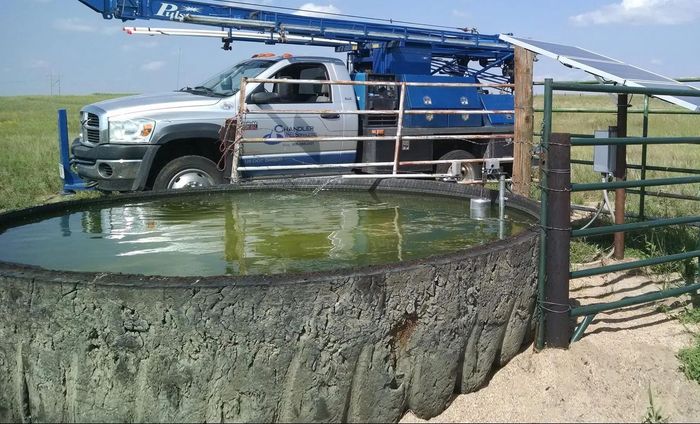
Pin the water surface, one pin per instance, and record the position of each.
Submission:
(258, 232)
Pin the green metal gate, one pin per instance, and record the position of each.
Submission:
(554, 306)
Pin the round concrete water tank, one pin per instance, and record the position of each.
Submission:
(353, 344)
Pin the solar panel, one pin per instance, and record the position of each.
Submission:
(626, 71)
(560, 49)
(608, 68)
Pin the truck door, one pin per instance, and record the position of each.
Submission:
(324, 100)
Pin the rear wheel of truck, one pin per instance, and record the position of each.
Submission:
(467, 171)
(188, 172)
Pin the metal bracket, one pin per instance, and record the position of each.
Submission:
(492, 165)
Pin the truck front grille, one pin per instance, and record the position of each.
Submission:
(93, 136)
(91, 128)
(92, 120)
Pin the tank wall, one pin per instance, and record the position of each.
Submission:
(351, 346)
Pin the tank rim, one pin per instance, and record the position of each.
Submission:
(436, 188)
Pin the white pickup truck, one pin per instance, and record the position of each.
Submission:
(172, 140)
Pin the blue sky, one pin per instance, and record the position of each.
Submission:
(48, 40)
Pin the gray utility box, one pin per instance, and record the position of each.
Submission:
(604, 156)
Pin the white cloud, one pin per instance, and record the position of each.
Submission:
(316, 10)
(459, 13)
(39, 64)
(111, 30)
(640, 12)
(153, 66)
(133, 45)
(73, 24)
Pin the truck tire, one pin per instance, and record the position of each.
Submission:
(188, 172)
(469, 171)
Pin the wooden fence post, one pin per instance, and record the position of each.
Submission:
(524, 121)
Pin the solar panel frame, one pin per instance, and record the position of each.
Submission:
(608, 68)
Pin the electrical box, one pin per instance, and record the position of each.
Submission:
(604, 156)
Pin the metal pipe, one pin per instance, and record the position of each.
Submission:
(632, 300)
(501, 206)
(634, 183)
(240, 129)
(611, 111)
(384, 112)
(501, 197)
(221, 21)
(274, 37)
(635, 226)
(313, 166)
(634, 264)
(360, 176)
(399, 127)
(360, 164)
(458, 137)
(667, 195)
(442, 161)
(466, 137)
(648, 167)
(378, 83)
(541, 273)
(581, 328)
(645, 134)
(558, 233)
(620, 174)
(681, 79)
(633, 140)
(623, 89)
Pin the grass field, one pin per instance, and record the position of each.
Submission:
(680, 156)
(29, 146)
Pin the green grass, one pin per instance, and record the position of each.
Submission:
(690, 357)
(650, 243)
(690, 316)
(29, 146)
(681, 156)
(582, 252)
(690, 360)
(654, 413)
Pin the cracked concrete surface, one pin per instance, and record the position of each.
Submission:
(354, 345)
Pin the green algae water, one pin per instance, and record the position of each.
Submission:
(256, 232)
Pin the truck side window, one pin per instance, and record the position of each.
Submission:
(303, 93)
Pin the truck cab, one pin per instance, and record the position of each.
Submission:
(171, 140)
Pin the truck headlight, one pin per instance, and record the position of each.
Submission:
(131, 131)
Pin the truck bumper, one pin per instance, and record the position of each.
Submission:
(113, 167)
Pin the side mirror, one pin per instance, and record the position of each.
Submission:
(226, 84)
(263, 98)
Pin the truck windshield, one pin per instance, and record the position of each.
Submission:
(228, 82)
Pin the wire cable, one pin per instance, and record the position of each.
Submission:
(605, 203)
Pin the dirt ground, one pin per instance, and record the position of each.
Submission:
(604, 377)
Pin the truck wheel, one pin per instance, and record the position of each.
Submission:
(468, 171)
(188, 172)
